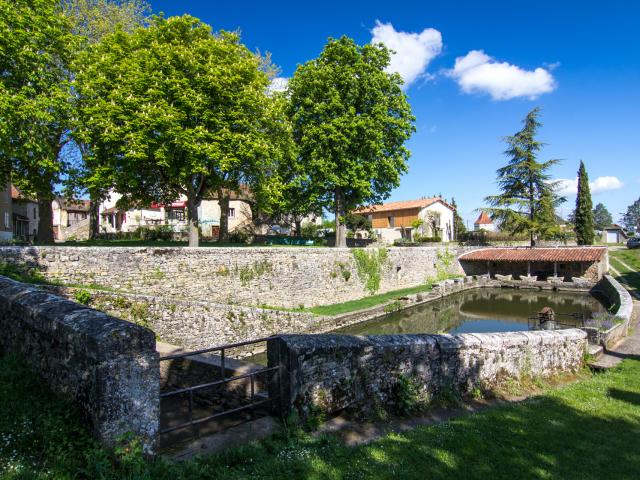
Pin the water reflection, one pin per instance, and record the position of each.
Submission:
(475, 311)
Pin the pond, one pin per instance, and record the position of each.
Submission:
(480, 310)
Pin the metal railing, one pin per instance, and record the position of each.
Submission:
(557, 322)
(273, 375)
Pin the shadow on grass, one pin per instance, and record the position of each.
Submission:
(625, 396)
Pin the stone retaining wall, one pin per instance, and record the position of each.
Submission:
(621, 301)
(109, 367)
(286, 277)
(335, 372)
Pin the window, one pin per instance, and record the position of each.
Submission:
(176, 214)
(34, 211)
(392, 222)
(232, 213)
(6, 220)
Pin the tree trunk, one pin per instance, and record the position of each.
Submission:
(192, 212)
(223, 202)
(298, 226)
(341, 231)
(94, 217)
(45, 223)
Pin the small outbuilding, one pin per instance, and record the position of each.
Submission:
(589, 263)
(614, 234)
(485, 223)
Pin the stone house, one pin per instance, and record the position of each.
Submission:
(25, 215)
(69, 212)
(6, 212)
(396, 220)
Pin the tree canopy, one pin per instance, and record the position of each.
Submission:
(631, 218)
(36, 47)
(174, 109)
(528, 195)
(601, 216)
(350, 123)
(583, 216)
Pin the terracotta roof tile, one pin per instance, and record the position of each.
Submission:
(528, 254)
(483, 219)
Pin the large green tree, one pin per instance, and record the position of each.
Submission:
(527, 192)
(631, 218)
(174, 109)
(91, 21)
(36, 47)
(601, 216)
(351, 120)
(583, 215)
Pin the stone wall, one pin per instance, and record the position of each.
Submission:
(336, 372)
(287, 277)
(620, 299)
(109, 367)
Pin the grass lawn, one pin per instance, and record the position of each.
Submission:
(631, 276)
(366, 302)
(588, 430)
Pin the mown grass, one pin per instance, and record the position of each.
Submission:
(366, 302)
(630, 276)
(588, 430)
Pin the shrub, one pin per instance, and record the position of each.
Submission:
(82, 296)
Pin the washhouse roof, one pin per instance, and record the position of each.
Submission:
(534, 254)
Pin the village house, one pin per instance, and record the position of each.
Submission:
(114, 219)
(69, 212)
(25, 216)
(6, 210)
(485, 223)
(428, 217)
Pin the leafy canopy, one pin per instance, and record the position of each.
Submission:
(173, 109)
(350, 122)
(601, 216)
(631, 218)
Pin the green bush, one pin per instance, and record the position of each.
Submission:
(82, 296)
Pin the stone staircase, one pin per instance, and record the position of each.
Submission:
(79, 231)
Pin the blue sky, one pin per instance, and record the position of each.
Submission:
(475, 75)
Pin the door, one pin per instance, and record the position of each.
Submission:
(612, 237)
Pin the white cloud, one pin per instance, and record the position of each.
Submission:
(413, 51)
(477, 72)
(278, 84)
(567, 187)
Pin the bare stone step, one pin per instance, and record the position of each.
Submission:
(595, 350)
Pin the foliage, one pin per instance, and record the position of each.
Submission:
(410, 396)
(350, 122)
(82, 296)
(631, 218)
(370, 265)
(601, 217)
(355, 222)
(444, 261)
(246, 273)
(172, 110)
(525, 183)
(459, 228)
(583, 215)
(36, 48)
(21, 273)
(602, 321)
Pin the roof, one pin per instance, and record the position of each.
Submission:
(614, 226)
(18, 195)
(483, 219)
(534, 254)
(77, 205)
(404, 205)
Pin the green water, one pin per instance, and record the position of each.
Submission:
(480, 310)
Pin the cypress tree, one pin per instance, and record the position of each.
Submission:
(584, 222)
